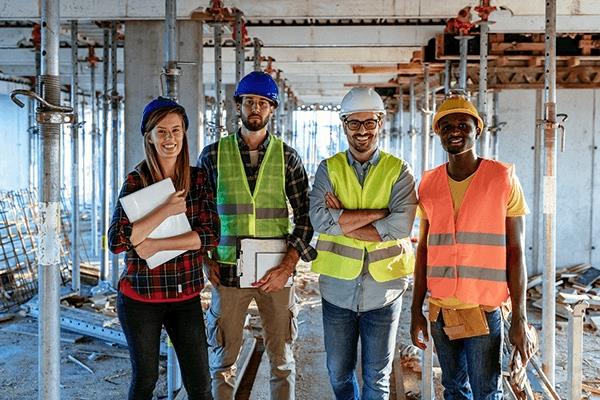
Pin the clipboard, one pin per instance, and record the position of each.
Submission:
(257, 256)
(138, 204)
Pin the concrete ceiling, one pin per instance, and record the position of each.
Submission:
(314, 43)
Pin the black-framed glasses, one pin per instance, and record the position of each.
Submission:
(354, 124)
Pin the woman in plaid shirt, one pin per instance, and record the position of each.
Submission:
(167, 295)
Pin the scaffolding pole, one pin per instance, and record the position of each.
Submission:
(104, 171)
(257, 55)
(401, 123)
(549, 196)
(239, 47)
(217, 28)
(447, 77)
(483, 90)
(95, 169)
(201, 133)
(114, 97)
(171, 70)
(426, 119)
(496, 124)
(464, 50)
(75, 264)
(412, 131)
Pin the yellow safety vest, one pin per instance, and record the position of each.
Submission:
(263, 213)
(342, 257)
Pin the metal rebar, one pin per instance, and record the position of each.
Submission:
(95, 169)
(104, 171)
(75, 264)
(484, 141)
(257, 54)
(549, 196)
(114, 96)
(218, 80)
(49, 212)
(426, 120)
(239, 47)
(171, 70)
(575, 350)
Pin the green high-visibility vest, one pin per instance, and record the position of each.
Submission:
(342, 257)
(263, 213)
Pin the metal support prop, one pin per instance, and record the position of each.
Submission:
(171, 71)
(83, 152)
(75, 265)
(95, 169)
(549, 197)
(218, 80)
(484, 141)
(575, 348)
(497, 126)
(464, 49)
(401, 123)
(257, 55)
(34, 141)
(200, 88)
(114, 275)
(239, 47)
(412, 131)
(427, 392)
(426, 119)
(104, 170)
(447, 76)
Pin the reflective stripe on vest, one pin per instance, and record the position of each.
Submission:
(263, 213)
(342, 257)
(466, 258)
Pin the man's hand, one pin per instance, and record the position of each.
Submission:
(147, 248)
(212, 270)
(418, 324)
(518, 338)
(275, 278)
(332, 201)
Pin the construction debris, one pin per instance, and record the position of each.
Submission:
(81, 364)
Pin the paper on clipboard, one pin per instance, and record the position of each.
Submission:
(257, 256)
(139, 204)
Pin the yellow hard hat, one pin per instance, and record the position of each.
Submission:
(456, 104)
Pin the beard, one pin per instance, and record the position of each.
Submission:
(254, 124)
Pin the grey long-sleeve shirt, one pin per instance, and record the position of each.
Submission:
(364, 293)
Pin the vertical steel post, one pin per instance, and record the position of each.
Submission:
(496, 125)
(401, 123)
(170, 70)
(549, 196)
(412, 129)
(464, 50)
(446, 77)
(257, 55)
(104, 170)
(114, 97)
(83, 155)
(200, 88)
(427, 391)
(33, 145)
(426, 118)
(538, 157)
(95, 166)
(75, 276)
(239, 47)
(575, 349)
(49, 209)
(218, 81)
(484, 141)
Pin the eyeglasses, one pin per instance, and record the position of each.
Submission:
(355, 124)
(260, 104)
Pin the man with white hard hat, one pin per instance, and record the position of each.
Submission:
(363, 204)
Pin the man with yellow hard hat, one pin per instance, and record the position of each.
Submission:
(470, 258)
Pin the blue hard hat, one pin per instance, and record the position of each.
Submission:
(157, 104)
(259, 84)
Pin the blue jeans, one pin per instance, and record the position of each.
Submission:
(471, 367)
(377, 332)
(184, 321)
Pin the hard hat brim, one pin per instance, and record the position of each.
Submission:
(441, 114)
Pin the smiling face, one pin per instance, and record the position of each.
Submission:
(167, 137)
(458, 133)
(363, 141)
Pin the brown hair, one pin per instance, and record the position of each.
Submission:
(152, 172)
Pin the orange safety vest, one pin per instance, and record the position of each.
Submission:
(466, 258)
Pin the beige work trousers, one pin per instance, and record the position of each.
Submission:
(278, 312)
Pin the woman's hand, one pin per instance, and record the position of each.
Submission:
(175, 204)
(148, 248)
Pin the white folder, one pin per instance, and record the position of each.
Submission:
(139, 204)
(257, 256)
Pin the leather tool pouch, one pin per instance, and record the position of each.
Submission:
(460, 324)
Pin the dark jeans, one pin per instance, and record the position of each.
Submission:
(184, 321)
(470, 367)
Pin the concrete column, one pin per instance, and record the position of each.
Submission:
(143, 65)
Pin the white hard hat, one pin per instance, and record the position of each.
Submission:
(361, 99)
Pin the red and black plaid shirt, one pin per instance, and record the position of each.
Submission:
(181, 276)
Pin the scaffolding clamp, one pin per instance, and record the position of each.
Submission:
(547, 124)
(46, 113)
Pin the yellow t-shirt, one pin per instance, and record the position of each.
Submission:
(516, 207)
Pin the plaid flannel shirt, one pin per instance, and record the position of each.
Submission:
(296, 189)
(181, 276)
